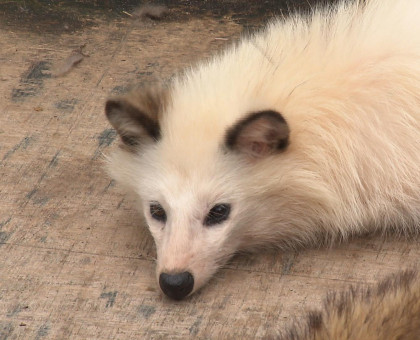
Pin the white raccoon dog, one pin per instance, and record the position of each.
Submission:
(305, 132)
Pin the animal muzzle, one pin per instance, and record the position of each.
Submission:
(176, 286)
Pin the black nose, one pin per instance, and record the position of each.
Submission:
(176, 286)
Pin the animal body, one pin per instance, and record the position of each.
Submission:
(305, 132)
(388, 311)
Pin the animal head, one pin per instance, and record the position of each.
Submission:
(195, 179)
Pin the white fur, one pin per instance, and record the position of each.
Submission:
(347, 81)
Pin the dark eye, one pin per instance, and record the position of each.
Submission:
(157, 212)
(217, 214)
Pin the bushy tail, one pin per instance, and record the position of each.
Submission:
(389, 311)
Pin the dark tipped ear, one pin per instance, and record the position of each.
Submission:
(136, 116)
(259, 134)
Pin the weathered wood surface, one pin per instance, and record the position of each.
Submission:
(76, 262)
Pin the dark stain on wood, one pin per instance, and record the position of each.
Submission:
(288, 261)
(37, 199)
(42, 332)
(32, 81)
(51, 218)
(23, 144)
(5, 222)
(4, 236)
(54, 160)
(107, 137)
(31, 193)
(6, 329)
(120, 203)
(66, 105)
(195, 327)
(41, 201)
(110, 296)
(15, 311)
(120, 89)
(146, 311)
(110, 185)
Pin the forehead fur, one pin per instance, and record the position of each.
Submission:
(172, 177)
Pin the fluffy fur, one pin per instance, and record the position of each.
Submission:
(389, 311)
(342, 158)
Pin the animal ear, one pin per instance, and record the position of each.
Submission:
(259, 134)
(136, 116)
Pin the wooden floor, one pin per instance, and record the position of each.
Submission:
(76, 262)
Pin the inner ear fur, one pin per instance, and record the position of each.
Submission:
(259, 134)
(136, 115)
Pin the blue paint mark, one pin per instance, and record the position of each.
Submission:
(41, 201)
(110, 185)
(4, 236)
(196, 326)
(23, 144)
(54, 160)
(107, 137)
(146, 311)
(288, 262)
(32, 81)
(111, 298)
(15, 311)
(120, 89)
(6, 329)
(104, 139)
(6, 222)
(42, 332)
(66, 105)
(31, 193)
